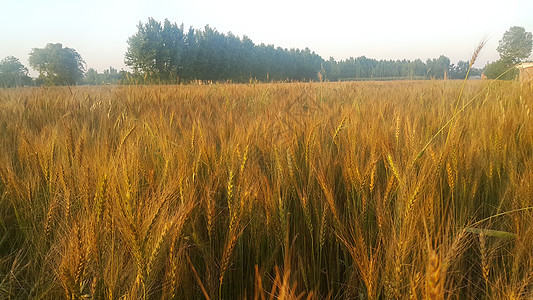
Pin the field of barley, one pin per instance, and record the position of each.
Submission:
(353, 190)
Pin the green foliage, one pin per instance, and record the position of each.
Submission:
(109, 76)
(438, 67)
(493, 70)
(13, 73)
(166, 53)
(155, 50)
(458, 71)
(362, 68)
(57, 65)
(515, 45)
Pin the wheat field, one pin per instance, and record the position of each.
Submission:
(267, 191)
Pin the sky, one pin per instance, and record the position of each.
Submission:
(382, 29)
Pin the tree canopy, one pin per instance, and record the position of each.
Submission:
(515, 45)
(57, 65)
(166, 52)
(363, 68)
(13, 73)
(501, 70)
(109, 76)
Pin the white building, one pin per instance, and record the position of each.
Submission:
(526, 71)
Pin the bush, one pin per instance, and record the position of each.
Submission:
(494, 69)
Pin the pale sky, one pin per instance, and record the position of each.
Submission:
(380, 29)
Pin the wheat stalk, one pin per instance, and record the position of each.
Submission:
(228, 249)
(451, 176)
(485, 266)
(157, 248)
(393, 167)
(434, 283)
(372, 178)
(338, 129)
(210, 209)
(411, 201)
(172, 272)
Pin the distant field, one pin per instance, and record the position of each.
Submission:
(411, 78)
(309, 190)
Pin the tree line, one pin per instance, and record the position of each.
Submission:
(362, 68)
(168, 53)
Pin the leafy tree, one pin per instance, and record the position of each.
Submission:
(458, 71)
(437, 67)
(109, 76)
(92, 77)
(156, 50)
(57, 65)
(112, 76)
(166, 53)
(13, 73)
(495, 69)
(363, 68)
(515, 45)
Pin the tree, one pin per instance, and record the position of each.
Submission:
(109, 76)
(515, 46)
(493, 70)
(92, 77)
(13, 73)
(458, 71)
(156, 50)
(57, 65)
(438, 67)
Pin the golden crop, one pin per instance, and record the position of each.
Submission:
(301, 190)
